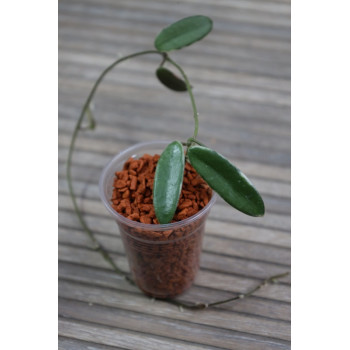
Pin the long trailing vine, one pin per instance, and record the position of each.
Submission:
(176, 36)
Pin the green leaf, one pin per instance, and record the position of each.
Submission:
(228, 181)
(168, 181)
(183, 33)
(170, 80)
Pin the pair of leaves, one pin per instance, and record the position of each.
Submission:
(179, 34)
(222, 176)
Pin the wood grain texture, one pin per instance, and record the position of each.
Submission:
(241, 79)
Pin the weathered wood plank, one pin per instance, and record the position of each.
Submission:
(236, 93)
(250, 15)
(237, 151)
(66, 204)
(266, 69)
(107, 41)
(230, 110)
(218, 212)
(251, 23)
(230, 247)
(211, 317)
(213, 227)
(67, 125)
(115, 111)
(85, 67)
(154, 325)
(269, 65)
(207, 279)
(96, 159)
(268, 6)
(209, 261)
(275, 151)
(90, 191)
(242, 268)
(104, 277)
(90, 42)
(120, 337)
(271, 120)
(123, 120)
(110, 148)
(65, 343)
(99, 160)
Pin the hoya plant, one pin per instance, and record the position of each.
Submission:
(222, 176)
(219, 173)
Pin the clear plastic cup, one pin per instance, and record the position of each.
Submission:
(163, 259)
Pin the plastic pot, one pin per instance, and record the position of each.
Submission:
(163, 259)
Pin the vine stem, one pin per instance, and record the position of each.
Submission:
(199, 306)
(189, 89)
(97, 246)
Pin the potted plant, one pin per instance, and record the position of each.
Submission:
(160, 193)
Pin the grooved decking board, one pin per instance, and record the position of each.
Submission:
(241, 79)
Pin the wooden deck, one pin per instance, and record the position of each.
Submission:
(241, 79)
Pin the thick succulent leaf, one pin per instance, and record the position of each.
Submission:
(228, 181)
(170, 80)
(183, 33)
(168, 182)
